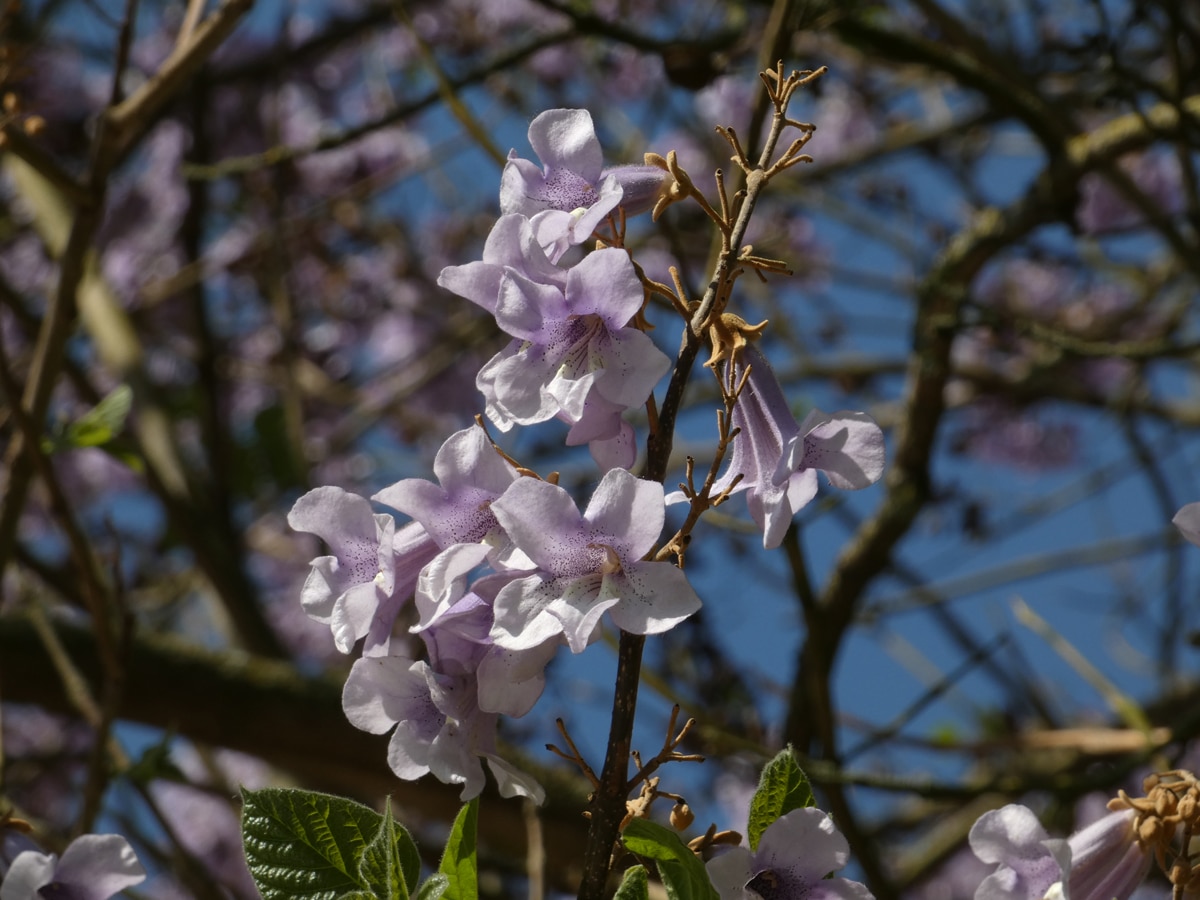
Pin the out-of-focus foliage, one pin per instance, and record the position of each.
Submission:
(231, 217)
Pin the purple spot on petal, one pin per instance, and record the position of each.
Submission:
(566, 191)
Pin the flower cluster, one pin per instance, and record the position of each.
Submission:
(503, 567)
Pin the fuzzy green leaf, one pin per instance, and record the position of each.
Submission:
(433, 888)
(458, 861)
(635, 885)
(390, 864)
(782, 788)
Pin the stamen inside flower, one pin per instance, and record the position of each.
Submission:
(611, 563)
(765, 884)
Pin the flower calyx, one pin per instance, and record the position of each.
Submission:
(729, 333)
(679, 189)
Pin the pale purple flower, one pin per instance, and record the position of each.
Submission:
(1107, 861)
(573, 355)
(511, 247)
(589, 564)
(1187, 520)
(1030, 862)
(357, 589)
(794, 856)
(203, 820)
(93, 867)
(1104, 861)
(572, 183)
(456, 510)
(439, 726)
(779, 458)
(456, 623)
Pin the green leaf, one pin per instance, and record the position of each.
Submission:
(682, 873)
(406, 854)
(782, 788)
(379, 867)
(102, 422)
(301, 845)
(433, 888)
(390, 864)
(458, 860)
(635, 885)
(98, 426)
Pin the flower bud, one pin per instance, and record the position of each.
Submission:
(1187, 807)
(681, 816)
(1164, 803)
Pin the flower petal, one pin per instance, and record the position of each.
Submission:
(511, 681)
(653, 597)
(383, 690)
(522, 620)
(513, 382)
(29, 872)
(513, 782)
(847, 446)
(1187, 520)
(98, 866)
(730, 872)
(334, 515)
(544, 522)
(566, 138)
(825, 849)
(579, 609)
(630, 510)
(1030, 861)
(605, 283)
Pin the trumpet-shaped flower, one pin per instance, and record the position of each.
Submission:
(1102, 862)
(439, 727)
(588, 564)
(794, 856)
(456, 510)
(511, 248)
(572, 187)
(93, 867)
(779, 458)
(358, 589)
(574, 356)
(456, 624)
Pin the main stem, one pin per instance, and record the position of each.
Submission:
(608, 803)
(607, 808)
